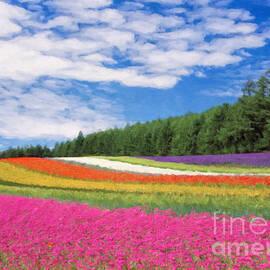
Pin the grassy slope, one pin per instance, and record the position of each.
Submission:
(189, 167)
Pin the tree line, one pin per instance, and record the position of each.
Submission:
(242, 127)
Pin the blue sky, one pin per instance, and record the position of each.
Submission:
(91, 65)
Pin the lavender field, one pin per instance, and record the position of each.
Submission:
(253, 159)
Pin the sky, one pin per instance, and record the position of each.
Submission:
(91, 65)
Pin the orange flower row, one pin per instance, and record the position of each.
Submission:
(59, 168)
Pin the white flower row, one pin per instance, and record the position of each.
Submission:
(123, 166)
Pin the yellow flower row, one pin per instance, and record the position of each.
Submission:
(11, 173)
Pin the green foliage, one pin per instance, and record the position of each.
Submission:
(28, 151)
(238, 128)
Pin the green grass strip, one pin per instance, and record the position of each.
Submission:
(181, 204)
(190, 167)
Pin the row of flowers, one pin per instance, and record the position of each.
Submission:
(51, 235)
(20, 175)
(58, 168)
(253, 159)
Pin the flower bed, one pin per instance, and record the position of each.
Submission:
(48, 234)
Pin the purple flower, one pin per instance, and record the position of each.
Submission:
(254, 159)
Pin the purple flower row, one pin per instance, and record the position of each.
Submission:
(254, 159)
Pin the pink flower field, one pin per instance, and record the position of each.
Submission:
(47, 234)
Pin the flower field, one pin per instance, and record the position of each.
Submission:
(220, 168)
(72, 236)
(100, 219)
(69, 236)
(141, 166)
(57, 168)
(253, 159)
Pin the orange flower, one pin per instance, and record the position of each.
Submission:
(50, 244)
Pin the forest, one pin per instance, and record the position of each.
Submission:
(242, 127)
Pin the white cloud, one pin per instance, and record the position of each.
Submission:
(127, 76)
(177, 10)
(31, 1)
(43, 113)
(200, 74)
(145, 23)
(223, 93)
(77, 6)
(98, 58)
(178, 63)
(202, 2)
(144, 27)
(213, 12)
(23, 64)
(129, 6)
(32, 60)
(7, 15)
(46, 43)
(185, 34)
(83, 11)
(112, 17)
(220, 3)
(229, 45)
(158, 49)
(64, 22)
(220, 59)
(228, 26)
(167, 2)
(110, 37)
(266, 33)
